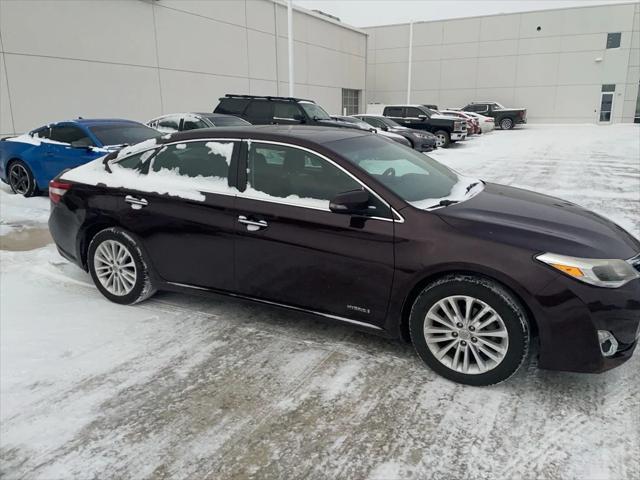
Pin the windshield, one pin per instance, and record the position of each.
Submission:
(229, 121)
(413, 176)
(314, 111)
(355, 121)
(123, 133)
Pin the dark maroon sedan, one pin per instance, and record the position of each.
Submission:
(356, 228)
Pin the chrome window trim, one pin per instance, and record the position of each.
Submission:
(398, 218)
(277, 304)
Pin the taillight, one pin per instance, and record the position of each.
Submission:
(57, 189)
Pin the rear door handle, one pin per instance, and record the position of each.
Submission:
(136, 203)
(252, 225)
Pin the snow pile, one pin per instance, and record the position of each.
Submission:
(17, 212)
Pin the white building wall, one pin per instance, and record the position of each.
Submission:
(552, 72)
(141, 58)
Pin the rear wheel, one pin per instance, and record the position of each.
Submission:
(506, 123)
(21, 179)
(469, 330)
(117, 267)
(443, 140)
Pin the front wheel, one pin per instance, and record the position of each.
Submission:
(469, 330)
(21, 179)
(118, 268)
(506, 123)
(443, 140)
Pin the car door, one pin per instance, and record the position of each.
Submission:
(291, 249)
(71, 147)
(415, 118)
(182, 207)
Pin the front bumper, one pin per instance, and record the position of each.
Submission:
(571, 313)
(455, 136)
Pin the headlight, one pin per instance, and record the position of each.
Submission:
(609, 273)
(457, 125)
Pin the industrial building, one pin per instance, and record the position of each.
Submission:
(142, 58)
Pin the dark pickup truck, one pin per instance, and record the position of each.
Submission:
(446, 129)
(506, 118)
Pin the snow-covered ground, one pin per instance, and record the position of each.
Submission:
(200, 387)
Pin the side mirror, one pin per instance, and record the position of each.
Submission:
(385, 128)
(353, 201)
(299, 118)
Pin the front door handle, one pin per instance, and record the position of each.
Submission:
(136, 203)
(252, 225)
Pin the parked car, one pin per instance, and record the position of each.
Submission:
(366, 127)
(260, 110)
(505, 118)
(421, 140)
(346, 225)
(178, 122)
(446, 129)
(473, 127)
(28, 162)
(486, 124)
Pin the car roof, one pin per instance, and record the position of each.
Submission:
(297, 133)
(99, 121)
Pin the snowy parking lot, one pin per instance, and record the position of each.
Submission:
(208, 387)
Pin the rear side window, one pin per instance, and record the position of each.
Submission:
(260, 109)
(476, 108)
(194, 159)
(137, 162)
(232, 106)
(393, 111)
(193, 123)
(168, 124)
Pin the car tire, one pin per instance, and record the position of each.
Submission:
(443, 140)
(489, 340)
(118, 267)
(506, 123)
(21, 179)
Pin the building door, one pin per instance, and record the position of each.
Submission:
(606, 103)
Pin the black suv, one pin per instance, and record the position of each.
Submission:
(446, 129)
(277, 111)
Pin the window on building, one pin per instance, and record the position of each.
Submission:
(350, 101)
(613, 40)
(609, 87)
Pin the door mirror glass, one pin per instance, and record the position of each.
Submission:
(353, 201)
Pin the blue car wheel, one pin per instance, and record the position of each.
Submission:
(21, 179)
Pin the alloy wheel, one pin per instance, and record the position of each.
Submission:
(19, 179)
(506, 124)
(466, 334)
(115, 267)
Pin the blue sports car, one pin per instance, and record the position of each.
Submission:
(28, 162)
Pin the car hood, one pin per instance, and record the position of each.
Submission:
(447, 117)
(539, 223)
(422, 133)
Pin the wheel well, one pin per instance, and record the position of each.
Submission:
(88, 235)
(415, 291)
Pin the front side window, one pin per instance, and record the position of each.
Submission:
(412, 176)
(123, 134)
(414, 112)
(314, 111)
(613, 40)
(478, 108)
(70, 134)
(281, 173)
(290, 111)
